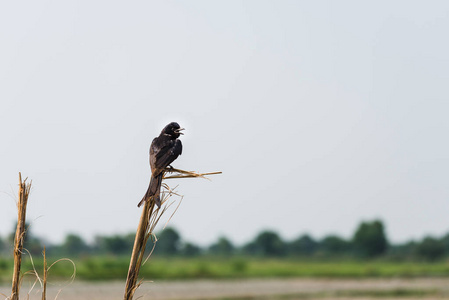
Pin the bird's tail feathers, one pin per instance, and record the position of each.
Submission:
(153, 191)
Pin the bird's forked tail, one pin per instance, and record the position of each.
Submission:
(153, 191)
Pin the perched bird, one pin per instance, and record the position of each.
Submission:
(163, 151)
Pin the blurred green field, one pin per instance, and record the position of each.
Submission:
(106, 268)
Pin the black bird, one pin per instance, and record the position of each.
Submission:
(163, 151)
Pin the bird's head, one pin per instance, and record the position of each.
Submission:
(173, 129)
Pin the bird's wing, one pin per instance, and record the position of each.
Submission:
(167, 155)
(152, 153)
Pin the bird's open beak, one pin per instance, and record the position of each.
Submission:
(179, 130)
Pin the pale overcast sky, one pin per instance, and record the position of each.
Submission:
(319, 113)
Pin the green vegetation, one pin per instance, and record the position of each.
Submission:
(366, 254)
(104, 268)
(369, 242)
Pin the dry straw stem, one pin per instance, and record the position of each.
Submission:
(72, 278)
(138, 250)
(32, 272)
(148, 220)
(187, 174)
(24, 191)
(43, 281)
(44, 284)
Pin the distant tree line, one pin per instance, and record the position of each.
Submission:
(368, 241)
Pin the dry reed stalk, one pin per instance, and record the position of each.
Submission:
(187, 174)
(148, 221)
(44, 285)
(24, 191)
(138, 250)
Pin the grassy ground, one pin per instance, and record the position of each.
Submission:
(104, 268)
